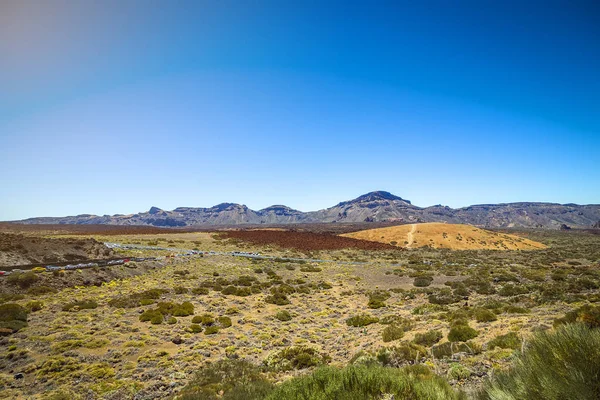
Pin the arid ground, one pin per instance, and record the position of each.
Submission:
(145, 330)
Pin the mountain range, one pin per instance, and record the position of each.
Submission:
(379, 206)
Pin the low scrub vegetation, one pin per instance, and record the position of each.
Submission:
(295, 357)
(13, 317)
(361, 320)
(560, 364)
(362, 382)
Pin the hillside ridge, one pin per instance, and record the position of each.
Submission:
(377, 206)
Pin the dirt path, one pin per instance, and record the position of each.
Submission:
(410, 239)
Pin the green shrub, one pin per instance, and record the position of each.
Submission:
(458, 372)
(137, 299)
(509, 341)
(447, 349)
(401, 354)
(23, 279)
(423, 281)
(484, 315)
(195, 328)
(277, 298)
(587, 314)
(200, 290)
(366, 382)
(392, 332)
(171, 320)
(397, 320)
(180, 290)
(224, 322)
(560, 364)
(80, 305)
(153, 316)
(295, 357)
(211, 330)
(157, 315)
(204, 319)
(361, 320)
(510, 309)
(13, 317)
(443, 298)
(176, 309)
(428, 338)
(41, 290)
(510, 289)
(377, 299)
(310, 268)
(283, 315)
(462, 333)
(227, 380)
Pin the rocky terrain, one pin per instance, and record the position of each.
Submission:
(376, 206)
(161, 330)
(24, 250)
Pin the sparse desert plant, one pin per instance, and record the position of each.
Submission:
(41, 290)
(462, 333)
(211, 330)
(295, 357)
(204, 319)
(401, 354)
(428, 338)
(511, 289)
(447, 349)
(200, 290)
(88, 304)
(392, 332)
(510, 340)
(361, 320)
(443, 297)
(310, 268)
(510, 309)
(277, 298)
(137, 299)
(560, 364)
(484, 315)
(458, 372)
(377, 299)
(180, 290)
(224, 322)
(23, 279)
(195, 328)
(283, 315)
(423, 281)
(13, 317)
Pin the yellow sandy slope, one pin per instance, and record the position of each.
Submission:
(449, 236)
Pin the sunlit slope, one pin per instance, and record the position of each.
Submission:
(448, 236)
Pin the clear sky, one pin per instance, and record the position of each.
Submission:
(114, 106)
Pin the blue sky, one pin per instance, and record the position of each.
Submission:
(115, 106)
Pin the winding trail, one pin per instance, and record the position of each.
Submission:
(410, 240)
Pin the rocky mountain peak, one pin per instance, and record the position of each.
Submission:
(154, 210)
(279, 209)
(378, 195)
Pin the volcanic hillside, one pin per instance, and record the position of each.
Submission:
(25, 250)
(448, 236)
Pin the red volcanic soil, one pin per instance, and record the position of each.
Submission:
(304, 240)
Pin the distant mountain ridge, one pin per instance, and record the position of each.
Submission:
(378, 206)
